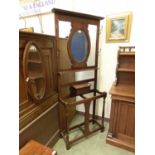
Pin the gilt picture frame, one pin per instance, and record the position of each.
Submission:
(118, 27)
(27, 29)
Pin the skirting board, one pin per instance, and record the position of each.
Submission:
(120, 143)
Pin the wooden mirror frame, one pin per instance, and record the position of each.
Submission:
(31, 80)
(75, 27)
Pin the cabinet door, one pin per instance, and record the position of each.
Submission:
(34, 71)
(38, 115)
(126, 119)
(122, 121)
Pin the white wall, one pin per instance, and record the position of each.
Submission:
(47, 20)
(107, 56)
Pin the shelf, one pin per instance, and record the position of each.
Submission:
(34, 61)
(34, 56)
(80, 86)
(77, 82)
(123, 90)
(35, 75)
(125, 70)
(127, 53)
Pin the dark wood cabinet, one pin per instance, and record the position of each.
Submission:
(122, 118)
(38, 95)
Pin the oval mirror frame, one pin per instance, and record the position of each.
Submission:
(35, 79)
(78, 60)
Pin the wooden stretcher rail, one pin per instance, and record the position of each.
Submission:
(65, 98)
(85, 99)
(70, 142)
(77, 82)
(78, 69)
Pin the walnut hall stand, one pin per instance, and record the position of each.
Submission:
(79, 44)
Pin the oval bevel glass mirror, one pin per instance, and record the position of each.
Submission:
(79, 46)
(34, 71)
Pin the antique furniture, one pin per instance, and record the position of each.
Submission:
(38, 94)
(35, 148)
(81, 47)
(122, 118)
(65, 78)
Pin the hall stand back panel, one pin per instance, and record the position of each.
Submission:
(39, 121)
(64, 62)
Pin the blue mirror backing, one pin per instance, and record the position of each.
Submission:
(79, 46)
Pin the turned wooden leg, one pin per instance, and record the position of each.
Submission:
(103, 109)
(94, 109)
(87, 106)
(67, 130)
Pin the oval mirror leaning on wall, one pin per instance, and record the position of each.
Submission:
(34, 73)
(78, 48)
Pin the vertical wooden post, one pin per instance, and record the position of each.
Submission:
(67, 129)
(103, 110)
(96, 71)
(87, 106)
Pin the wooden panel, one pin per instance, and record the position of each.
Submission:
(130, 64)
(34, 71)
(26, 36)
(123, 90)
(46, 43)
(130, 126)
(55, 69)
(43, 128)
(39, 120)
(122, 125)
(111, 124)
(64, 62)
(49, 74)
(126, 119)
(126, 78)
(124, 98)
(22, 86)
(122, 118)
(32, 110)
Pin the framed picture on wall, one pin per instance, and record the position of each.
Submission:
(27, 29)
(118, 27)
